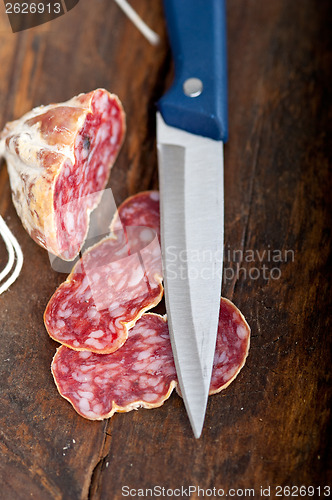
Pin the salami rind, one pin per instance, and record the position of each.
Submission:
(59, 159)
(141, 209)
(142, 372)
(108, 290)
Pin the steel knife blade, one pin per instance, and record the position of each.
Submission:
(191, 129)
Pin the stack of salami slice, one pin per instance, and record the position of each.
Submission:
(116, 357)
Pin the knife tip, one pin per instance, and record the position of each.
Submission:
(197, 424)
(197, 433)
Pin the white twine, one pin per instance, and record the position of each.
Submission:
(13, 249)
(10, 250)
(149, 34)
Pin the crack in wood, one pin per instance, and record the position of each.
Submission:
(245, 233)
(96, 475)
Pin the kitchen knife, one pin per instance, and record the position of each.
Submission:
(191, 128)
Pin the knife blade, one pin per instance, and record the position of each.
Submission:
(191, 129)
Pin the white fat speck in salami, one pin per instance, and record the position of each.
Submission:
(142, 373)
(110, 287)
(59, 159)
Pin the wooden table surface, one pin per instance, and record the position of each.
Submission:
(270, 427)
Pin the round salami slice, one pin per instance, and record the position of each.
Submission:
(140, 374)
(142, 371)
(110, 287)
(59, 159)
(232, 347)
(141, 209)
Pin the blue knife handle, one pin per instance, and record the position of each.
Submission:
(197, 33)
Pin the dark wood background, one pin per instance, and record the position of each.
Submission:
(270, 427)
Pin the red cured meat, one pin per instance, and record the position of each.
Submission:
(110, 287)
(233, 341)
(141, 209)
(59, 159)
(232, 346)
(142, 372)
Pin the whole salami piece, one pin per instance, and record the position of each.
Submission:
(59, 159)
(142, 372)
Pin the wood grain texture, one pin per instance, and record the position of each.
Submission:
(270, 427)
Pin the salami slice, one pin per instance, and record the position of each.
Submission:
(142, 372)
(232, 347)
(141, 209)
(110, 287)
(59, 159)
